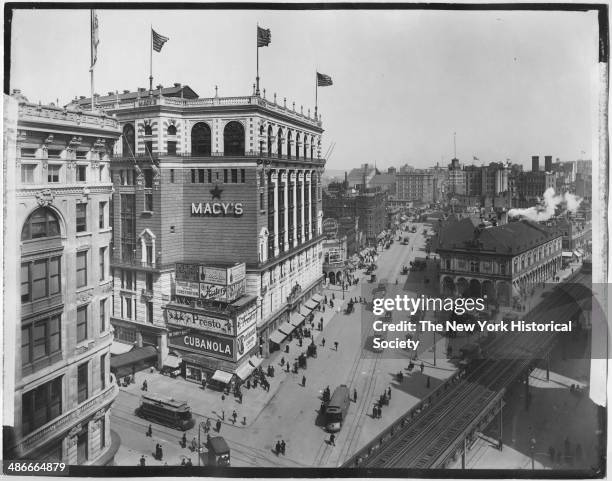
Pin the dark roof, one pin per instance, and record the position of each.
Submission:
(175, 91)
(133, 357)
(218, 445)
(511, 238)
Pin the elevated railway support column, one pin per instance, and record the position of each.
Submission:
(501, 424)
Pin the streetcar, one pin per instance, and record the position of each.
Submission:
(166, 410)
(218, 452)
(336, 409)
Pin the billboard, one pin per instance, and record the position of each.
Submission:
(213, 275)
(187, 289)
(247, 319)
(179, 317)
(330, 228)
(187, 272)
(222, 293)
(246, 342)
(203, 343)
(236, 273)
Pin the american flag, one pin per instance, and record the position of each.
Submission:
(158, 40)
(323, 80)
(264, 37)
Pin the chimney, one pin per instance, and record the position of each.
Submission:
(126, 91)
(535, 163)
(548, 163)
(345, 179)
(177, 84)
(142, 89)
(82, 97)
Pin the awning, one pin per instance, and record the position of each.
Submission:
(296, 319)
(304, 311)
(245, 370)
(317, 298)
(255, 361)
(222, 376)
(120, 348)
(135, 356)
(172, 361)
(577, 254)
(286, 328)
(311, 304)
(277, 337)
(567, 254)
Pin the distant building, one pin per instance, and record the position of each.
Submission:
(362, 176)
(501, 262)
(456, 178)
(530, 186)
(416, 186)
(372, 214)
(384, 182)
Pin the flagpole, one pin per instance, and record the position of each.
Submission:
(91, 69)
(257, 77)
(316, 93)
(151, 64)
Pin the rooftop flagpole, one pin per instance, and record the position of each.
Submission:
(316, 92)
(151, 64)
(91, 54)
(257, 77)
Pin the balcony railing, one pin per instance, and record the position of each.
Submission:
(70, 418)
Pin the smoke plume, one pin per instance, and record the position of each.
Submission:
(547, 206)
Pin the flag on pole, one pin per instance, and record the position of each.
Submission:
(264, 37)
(323, 80)
(94, 38)
(475, 158)
(158, 40)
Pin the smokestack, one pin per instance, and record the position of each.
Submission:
(535, 163)
(365, 172)
(345, 179)
(548, 163)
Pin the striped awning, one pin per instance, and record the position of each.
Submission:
(286, 328)
(245, 370)
(304, 311)
(296, 319)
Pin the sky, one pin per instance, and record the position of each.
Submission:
(510, 84)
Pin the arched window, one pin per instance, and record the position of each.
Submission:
(289, 144)
(279, 142)
(148, 129)
(171, 130)
(200, 139)
(297, 146)
(233, 139)
(129, 140)
(42, 223)
(305, 148)
(270, 134)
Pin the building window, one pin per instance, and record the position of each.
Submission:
(41, 405)
(28, 153)
(40, 339)
(149, 282)
(81, 269)
(448, 264)
(148, 130)
(171, 147)
(225, 176)
(82, 447)
(242, 176)
(81, 173)
(81, 217)
(209, 176)
(27, 173)
(102, 263)
(102, 315)
(148, 198)
(53, 173)
(102, 213)
(83, 382)
(103, 371)
(474, 266)
(234, 176)
(127, 280)
(502, 269)
(171, 130)
(41, 223)
(150, 312)
(148, 178)
(128, 141)
(193, 176)
(81, 323)
(172, 176)
(40, 279)
(200, 139)
(128, 307)
(201, 176)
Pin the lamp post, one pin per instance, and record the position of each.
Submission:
(201, 426)
(532, 443)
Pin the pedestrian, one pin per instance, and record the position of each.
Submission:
(287, 366)
(422, 367)
(354, 395)
(336, 345)
(207, 425)
(144, 385)
(303, 381)
(161, 453)
(283, 446)
(282, 362)
(332, 439)
(234, 416)
(244, 420)
(183, 462)
(218, 426)
(188, 463)
(389, 392)
(149, 432)
(379, 412)
(277, 448)
(323, 342)
(142, 461)
(428, 382)
(184, 441)
(374, 412)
